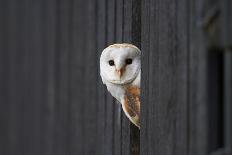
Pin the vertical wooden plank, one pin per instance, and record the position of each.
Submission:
(165, 55)
(145, 98)
(198, 123)
(27, 84)
(33, 63)
(228, 101)
(90, 75)
(62, 74)
(136, 22)
(136, 40)
(48, 15)
(79, 79)
(226, 33)
(101, 96)
(4, 106)
(16, 89)
(225, 23)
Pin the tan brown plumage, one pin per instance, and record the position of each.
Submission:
(132, 104)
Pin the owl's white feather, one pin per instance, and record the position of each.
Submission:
(123, 72)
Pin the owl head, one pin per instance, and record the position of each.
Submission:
(120, 63)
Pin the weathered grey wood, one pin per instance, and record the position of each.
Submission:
(16, 90)
(4, 72)
(33, 74)
(165, 74)
(228, 101)
(145, 98)
(62, 74)
(136, 40)
(198, 117)
(77, 88)
(188, 36)
(225, 23)
(49, 17)
(101, 99)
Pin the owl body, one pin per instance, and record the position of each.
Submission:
(121, 72)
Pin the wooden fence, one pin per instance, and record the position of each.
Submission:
(52, 100)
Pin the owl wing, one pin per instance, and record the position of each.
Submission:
(132, 104)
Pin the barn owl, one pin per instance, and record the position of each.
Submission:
(120, 70)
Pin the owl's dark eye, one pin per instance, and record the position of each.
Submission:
(111, 62)
(128, 61)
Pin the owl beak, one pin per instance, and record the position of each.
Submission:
(120, 72)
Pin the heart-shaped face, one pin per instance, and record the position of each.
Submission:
(120, 63)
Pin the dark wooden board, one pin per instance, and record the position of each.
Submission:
(165, 77)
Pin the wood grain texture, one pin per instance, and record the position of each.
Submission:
(198, 117)
(165, 74)
(176, 43)
(225, 23)
(228, 100)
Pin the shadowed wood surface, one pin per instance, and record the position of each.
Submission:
(184, 70)
(165, 77)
